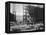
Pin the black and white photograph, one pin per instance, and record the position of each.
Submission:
(21, 17)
